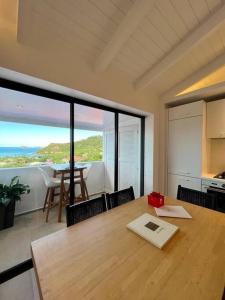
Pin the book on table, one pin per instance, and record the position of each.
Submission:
(153, 229)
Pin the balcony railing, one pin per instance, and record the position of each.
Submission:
(98, 181)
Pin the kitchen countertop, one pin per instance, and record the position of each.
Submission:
(210, 176)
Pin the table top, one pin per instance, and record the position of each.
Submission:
(101, 259)
(66, 167)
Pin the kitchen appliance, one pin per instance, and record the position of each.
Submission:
(220, 175)
(216, 186)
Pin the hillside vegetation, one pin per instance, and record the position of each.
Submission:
(89, 149)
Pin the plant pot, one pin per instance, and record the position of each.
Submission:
(7, 215)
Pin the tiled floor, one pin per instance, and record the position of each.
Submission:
(15, 248)
(22, 287)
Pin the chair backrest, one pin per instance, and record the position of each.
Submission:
(81, 211)
(196, 197)
(87, 171)
(120, 197)
(46, 177)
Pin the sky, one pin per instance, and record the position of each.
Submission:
(18, 134)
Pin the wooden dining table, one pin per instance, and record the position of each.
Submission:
(101, 259)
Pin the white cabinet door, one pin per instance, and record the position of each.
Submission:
(186, 110)
(216, 119)
(188, 182)
(185, 147)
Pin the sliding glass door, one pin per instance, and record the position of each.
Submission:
(45, 136)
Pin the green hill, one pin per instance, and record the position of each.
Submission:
(89, 149)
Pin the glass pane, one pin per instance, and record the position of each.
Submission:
(94, 150)
(129, 153)
(34, 134)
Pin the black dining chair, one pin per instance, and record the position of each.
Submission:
(83, 210)
(196, 197)
(120, 197)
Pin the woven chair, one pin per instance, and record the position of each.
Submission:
(196, 197)
(81, 211)
(120, 197)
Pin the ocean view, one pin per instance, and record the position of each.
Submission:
(18, 151)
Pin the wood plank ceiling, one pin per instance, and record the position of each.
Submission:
(86, 27)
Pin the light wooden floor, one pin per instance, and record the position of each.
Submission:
(15, 248)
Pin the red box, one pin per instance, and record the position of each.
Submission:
(155, 199)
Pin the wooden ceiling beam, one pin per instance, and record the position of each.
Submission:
(195, 77)
(130, 22)
(194, 38)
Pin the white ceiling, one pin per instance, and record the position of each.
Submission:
(86, 27)
(30, 109)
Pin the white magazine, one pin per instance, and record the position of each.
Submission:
(153, 229)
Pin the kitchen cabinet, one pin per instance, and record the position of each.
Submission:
(186, 127)
(185, 181)
(185, 146)
(216, 119)
(186, 110)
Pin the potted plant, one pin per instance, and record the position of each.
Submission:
(9, 194)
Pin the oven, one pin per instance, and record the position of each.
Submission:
(219, 194)
(217, 188)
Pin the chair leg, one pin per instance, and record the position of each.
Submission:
(61, 203)
(82, 187)
(86, 190)
(60, 211)
(46, 199)
(51, 195)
